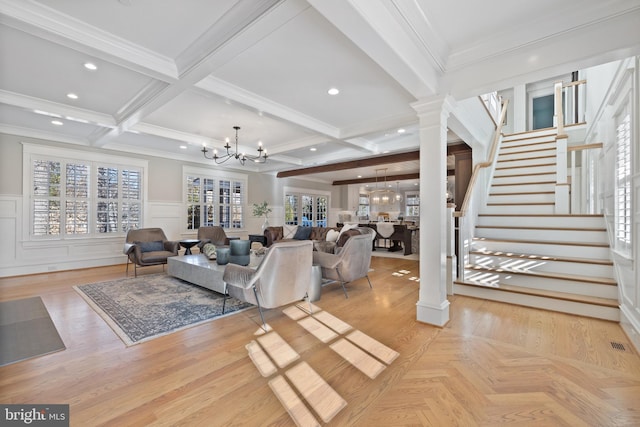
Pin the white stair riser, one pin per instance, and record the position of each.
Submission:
(522, 198)
(524, 178)
(581, 309)
(519, 209)
(522, 188)
(568, 236)
(543, 283)
(575, 251)
(551, 168)
(543, 221)
(548, 133)
(548, 147)
(531, 142)
(508, 156)
(525, 162)
(530, 137)
(540, 265)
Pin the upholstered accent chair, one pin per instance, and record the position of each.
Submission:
(148, 246)
(213, 234)
(282, 277)
(349, 262)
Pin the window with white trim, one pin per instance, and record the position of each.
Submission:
(623, 182)
(71, 197)
(364, 208)
(214, 198)
(306, 209)
(412, 204)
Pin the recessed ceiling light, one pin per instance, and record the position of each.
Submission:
(401, 130)
(333, 91)
(72, 96)
(415, 183)
(313, 149)
(90, 66)
(184, 147)
(385, 151)
(359, 176)
(56, 122)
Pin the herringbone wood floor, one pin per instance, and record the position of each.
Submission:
(492, 364)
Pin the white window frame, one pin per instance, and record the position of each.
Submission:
(38, 152)
(410, 195)
(299, 193)
(237, 205)
(623, 181)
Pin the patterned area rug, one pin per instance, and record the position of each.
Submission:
(140, 309)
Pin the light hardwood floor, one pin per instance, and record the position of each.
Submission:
(491, 364)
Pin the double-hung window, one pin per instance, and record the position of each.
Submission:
(306, 208)
(214, 198)
(78, 194)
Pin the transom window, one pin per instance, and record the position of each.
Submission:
(214, 200)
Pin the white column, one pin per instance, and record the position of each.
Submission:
(519, 109)
(433, 306)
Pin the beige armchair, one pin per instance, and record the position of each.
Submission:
(213, 234)
(148, 246)
(350, 262)
(283, 277)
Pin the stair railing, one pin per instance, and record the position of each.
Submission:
(476, 196)
(584, 176)
(569, 106)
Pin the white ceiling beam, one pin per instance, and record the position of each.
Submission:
(61, 110)
(391, 43)
(50, 24)
(266, 106)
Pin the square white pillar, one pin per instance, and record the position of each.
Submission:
(433, 306)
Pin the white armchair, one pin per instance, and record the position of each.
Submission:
(282, 277)
(350, 262)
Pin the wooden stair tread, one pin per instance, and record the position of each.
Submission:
(522, 204)
(544, 215)
(524, 183)
(524, 174)
(518, 227)
(535, 150)
(526, 166)
(522, 193)
(525, 158)
(537, 242)
(573, 277)
(585, 299)
(533, 257)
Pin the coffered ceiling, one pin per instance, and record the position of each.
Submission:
(177, 74)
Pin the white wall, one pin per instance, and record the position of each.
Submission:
(163, 208)
(608, 87)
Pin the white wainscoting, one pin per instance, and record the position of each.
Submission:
(19, 257)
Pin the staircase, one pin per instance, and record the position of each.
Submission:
(524, 254)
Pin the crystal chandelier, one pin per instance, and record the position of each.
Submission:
(241, 157)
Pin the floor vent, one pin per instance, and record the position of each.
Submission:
(618, 346)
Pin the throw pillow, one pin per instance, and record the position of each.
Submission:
(346, 227)
(151, 246)
(302, 233)
(332, 235)
(209, 250)
(288, 231)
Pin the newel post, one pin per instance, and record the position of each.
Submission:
(562, 200)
